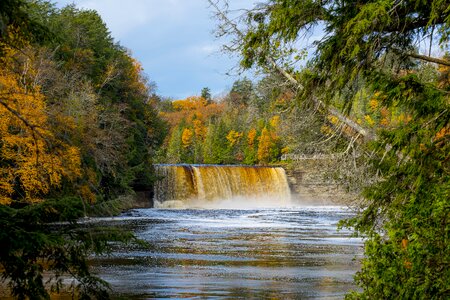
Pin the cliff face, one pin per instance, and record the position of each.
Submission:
(311, 182)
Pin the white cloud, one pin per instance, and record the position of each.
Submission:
(209, 49)
(172, 38)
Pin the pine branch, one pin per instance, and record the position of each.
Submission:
(274, 66)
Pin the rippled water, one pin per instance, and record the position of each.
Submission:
(290, 253)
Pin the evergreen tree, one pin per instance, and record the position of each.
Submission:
(83, 129)
(241, 93)
(206, 94)
(405, 215)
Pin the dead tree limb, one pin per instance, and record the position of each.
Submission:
(272, 65)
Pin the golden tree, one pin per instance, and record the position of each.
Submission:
(32, 160)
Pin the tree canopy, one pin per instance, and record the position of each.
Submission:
(381, 51)
(78, 126)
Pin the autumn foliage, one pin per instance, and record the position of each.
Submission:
(78, 128)
(215, 132)
(33, 160)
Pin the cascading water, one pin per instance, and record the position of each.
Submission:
(200, 185)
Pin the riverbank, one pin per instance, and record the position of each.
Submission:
(140, 199)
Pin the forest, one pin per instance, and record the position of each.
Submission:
(81, 126)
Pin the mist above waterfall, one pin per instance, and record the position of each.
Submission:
(215, 186)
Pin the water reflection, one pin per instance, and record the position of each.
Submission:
(262, 254)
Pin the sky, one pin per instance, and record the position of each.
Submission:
(173, 39)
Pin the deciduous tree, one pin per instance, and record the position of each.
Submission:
(360, 38)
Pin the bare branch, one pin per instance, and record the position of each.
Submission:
(274, 66)
(435, 60)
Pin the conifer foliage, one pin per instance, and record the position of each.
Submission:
(379, 53)
(77, 126)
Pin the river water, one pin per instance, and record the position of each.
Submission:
(272, 253)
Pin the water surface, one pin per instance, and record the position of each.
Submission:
(274, 253)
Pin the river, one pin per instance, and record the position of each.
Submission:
(265, 253)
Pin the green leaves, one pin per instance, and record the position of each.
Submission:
(33, 243)
(98, 101)
(367, 49)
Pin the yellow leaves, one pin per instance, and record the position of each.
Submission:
(233, 137)
(6, 188)
(275, 121)
(33, 160)
(86, 193)
(186, 137)
(444, 78)
(384, 122)
(283, 101)
(325, 129)
(369, 120)
(333, 119)
(199, 129)
(182, 105)
(137, 65)
(373, 104)
(251, 137)
(71, 163)
(5, 200)
(11, 41)
(84, 189)
(266, 145)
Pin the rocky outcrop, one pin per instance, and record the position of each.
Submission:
(311, 182)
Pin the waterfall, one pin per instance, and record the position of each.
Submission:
(194, 184)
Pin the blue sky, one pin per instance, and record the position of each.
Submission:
(173, 39)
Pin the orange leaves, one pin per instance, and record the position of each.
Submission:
(441, 135)
(190, 109)
(193, 112)
(380, 116)
(186, 137)
(377, 98)
(444, 76)
(373, 104)
(190, 103)
(199, 129)
(204, 132)
(251, 137)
